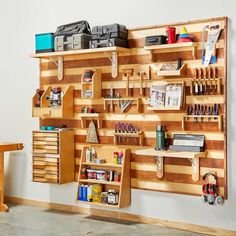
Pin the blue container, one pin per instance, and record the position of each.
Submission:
(80, 195)
(44, 42)
(84, 193)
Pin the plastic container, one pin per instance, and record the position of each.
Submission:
(91, 174)
(101, 175)
(44, 42)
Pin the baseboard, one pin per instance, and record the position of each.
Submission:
(122, 216)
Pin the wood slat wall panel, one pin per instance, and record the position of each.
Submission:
(177, 176)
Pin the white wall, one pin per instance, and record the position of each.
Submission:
(20, 20)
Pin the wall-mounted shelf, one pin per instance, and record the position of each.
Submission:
(154, 49)
(123, 187)
(120, 101)
(149, 108)
(57, 57)
(159, 155)
(204, 118)
(63, 111)
(138, 135)
(180, 72)
(91, 89)
(91, 116)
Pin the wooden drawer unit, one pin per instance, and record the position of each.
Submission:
(53, 156)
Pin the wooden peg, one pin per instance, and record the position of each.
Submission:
(141, 74)
(127, 73)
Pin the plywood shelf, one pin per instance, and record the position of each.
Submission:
(124, 186)
(159, 158)
(99, 204)
(91, 116)
(154, 49)
(80, 52)
(58, 57)
(149, 108)
(94, 181)
(105, 165)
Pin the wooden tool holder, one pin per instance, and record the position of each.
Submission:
(114, 62)
(94, 86)
(138, 135)
(45, 111)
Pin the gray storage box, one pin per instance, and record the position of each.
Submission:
(73, 42)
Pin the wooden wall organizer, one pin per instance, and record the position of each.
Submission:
(124, 186)
(91, 116)
(178, 171)
(45, 111)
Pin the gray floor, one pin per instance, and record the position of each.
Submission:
(33, 221)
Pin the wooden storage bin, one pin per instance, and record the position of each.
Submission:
(124, 186)
(45, 111)
(94, 86)
(53, 156)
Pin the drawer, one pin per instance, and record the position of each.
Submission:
(45, 151)
(45, 155)
(46, 147)
(53, 162)
(45, 143)
(46, 176)
(45, 134)
(45, 172)
(42, 138)
(44, 180)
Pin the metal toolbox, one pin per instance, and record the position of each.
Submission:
(44, 42)
(109, 31)
(108, 43)
(73, 42)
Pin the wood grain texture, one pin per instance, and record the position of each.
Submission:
(177, 176)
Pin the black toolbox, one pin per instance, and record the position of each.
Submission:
(108, 43)
(155, 40)
(109, 31)
(72, 36)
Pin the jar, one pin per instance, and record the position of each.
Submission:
(113, 197)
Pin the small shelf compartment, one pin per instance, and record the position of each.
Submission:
(181, 72)
(139, 135)
(123, 186)
(91, 88)
(174, 47)
(65, 110)
(123, 103)
(91, 116)
(159, 158)
(58, 57)
(203, 118)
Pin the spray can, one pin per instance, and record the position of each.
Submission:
(160, 138)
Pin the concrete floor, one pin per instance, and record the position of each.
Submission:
(34, 221)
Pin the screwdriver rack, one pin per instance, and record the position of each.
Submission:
(203, 118)
(125, 138)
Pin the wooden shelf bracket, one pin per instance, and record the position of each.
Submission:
(60, 66)
(158, 156)
(114, 63)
